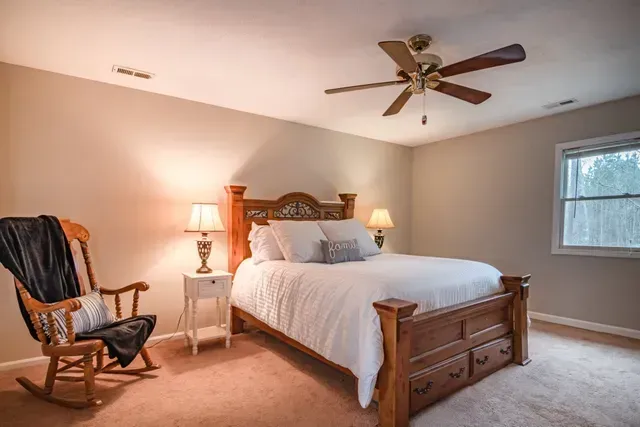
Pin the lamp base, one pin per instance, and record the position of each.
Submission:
(204, 250)
(204, 270)
(379, 238)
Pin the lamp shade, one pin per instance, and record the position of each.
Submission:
(205, 218)
(380, 219)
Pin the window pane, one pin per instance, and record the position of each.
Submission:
(602, 223)
(608, 174)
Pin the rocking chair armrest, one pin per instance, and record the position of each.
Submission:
(137, 286)
(69, 305)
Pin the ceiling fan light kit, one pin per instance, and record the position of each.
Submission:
(423, 71)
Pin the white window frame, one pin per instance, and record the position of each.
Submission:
(556, 236)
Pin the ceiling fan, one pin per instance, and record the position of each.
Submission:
(425, 71)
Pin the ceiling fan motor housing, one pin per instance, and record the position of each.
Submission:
(428, 62)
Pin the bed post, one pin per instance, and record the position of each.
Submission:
(235, 225)
(396, 320)
(349, 200)
(519, 285)
(235, 241)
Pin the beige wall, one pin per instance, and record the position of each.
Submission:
(127, 164)
(489, 196)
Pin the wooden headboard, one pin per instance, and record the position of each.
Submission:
(242, 212)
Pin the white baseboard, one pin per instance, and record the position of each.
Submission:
(583, 324)
(23, 363)
(178, 335)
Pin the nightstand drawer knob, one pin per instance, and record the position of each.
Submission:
(213, 281)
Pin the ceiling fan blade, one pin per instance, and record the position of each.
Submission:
(400, 53)
(473, 96)
(506, 55)
(404, 75)
(399, 102)
(367, 86)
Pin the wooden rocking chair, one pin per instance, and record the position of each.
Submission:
(84, 351)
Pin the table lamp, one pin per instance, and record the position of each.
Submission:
(380, 220)
(205, 218)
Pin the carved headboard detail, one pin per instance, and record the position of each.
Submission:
(242, 212)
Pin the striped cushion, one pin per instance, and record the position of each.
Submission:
(93, 315)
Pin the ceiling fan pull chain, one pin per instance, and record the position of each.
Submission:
(424, 112)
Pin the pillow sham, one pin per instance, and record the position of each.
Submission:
(299, 241)
(94, 314)
(263, 244)
(341, 251)
(348, 229)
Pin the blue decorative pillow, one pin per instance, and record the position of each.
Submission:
(94, 314)
(341, 251)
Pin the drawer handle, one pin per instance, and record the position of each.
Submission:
(458, 374)
(507, 351)
(483, 361)
(424, 390)
(213, 281)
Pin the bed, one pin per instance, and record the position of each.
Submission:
(411, 329)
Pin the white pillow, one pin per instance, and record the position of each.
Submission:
(299, 241)
(263, 244)
(349, 229)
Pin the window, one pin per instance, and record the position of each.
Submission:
(597, 197)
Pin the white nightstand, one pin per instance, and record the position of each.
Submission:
(200, 286)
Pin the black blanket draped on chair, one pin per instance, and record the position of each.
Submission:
(37, 253)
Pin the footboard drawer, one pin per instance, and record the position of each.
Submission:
(439, 381)
(491, 357)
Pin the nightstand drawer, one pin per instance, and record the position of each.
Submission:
(209, 288)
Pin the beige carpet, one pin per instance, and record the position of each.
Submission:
(577, 378)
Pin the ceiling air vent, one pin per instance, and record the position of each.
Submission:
(132, 72)
(560, 103)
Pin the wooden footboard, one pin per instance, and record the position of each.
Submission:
(431, 355)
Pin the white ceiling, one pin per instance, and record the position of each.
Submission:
(276, 57)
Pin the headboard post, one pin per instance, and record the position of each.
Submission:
(235, 224)
(349, 200)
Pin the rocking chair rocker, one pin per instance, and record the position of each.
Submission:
(77, 354)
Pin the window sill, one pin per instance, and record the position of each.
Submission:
(595, 252)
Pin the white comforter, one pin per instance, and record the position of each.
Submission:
(329, 308)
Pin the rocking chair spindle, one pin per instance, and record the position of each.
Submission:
(118, 307)
(134, 308)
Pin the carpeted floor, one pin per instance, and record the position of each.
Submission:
(577, 378)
